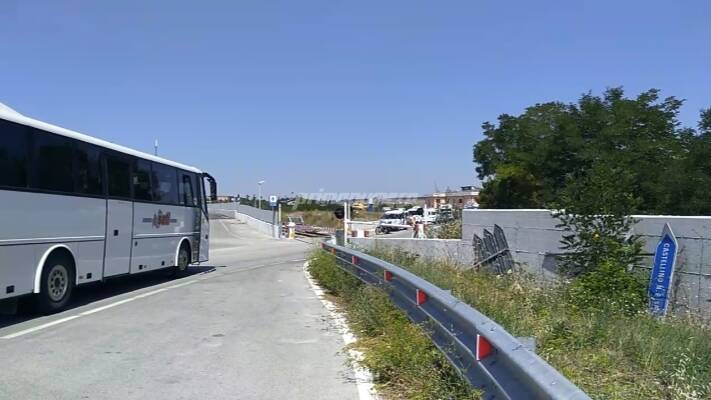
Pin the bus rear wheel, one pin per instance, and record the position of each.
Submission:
(56, 284)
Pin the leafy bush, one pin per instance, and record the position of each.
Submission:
(448, 230)
(600, 252)
(610, 287)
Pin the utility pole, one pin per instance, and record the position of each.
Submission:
(346, 216)
(155, 148)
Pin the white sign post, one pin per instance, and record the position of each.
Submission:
(275, 223)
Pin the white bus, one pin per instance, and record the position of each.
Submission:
(75, 209)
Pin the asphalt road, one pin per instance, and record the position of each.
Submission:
(248, 326)
(405, 233)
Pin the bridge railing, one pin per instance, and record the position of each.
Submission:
(485, 354)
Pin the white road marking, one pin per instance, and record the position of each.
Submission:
(40, 327)
(140, 296)
(94, 310)
(181, 284)
(363, 377)
(106, 307)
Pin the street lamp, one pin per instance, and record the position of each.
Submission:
(260, 193)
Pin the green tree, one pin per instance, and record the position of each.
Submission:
(529, 160)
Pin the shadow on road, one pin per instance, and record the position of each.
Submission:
(94, 292)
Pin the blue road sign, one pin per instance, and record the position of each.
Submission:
(662, 274)
(273, 201)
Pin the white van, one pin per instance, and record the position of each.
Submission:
(422, 214)
(394, 220)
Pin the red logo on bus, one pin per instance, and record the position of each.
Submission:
(161, 219)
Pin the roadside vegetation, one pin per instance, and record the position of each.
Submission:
(604, 347)
(403, 361)
(608, 345)
(447, 230)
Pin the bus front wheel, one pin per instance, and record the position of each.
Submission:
(56, 284)
(183, 260)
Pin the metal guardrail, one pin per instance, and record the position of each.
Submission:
(487, 356)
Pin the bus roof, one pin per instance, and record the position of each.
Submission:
(12, 115)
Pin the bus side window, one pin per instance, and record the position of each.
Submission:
(14, 151)
(88, 174)
(53, 162)
(187, 194)
(198, 190)
(142, 180)
(119, 177)
(164, 187)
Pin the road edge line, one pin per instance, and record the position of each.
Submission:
(363, 377)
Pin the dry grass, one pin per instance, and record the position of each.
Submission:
(326, 219)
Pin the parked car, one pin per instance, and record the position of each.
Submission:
(445, 214)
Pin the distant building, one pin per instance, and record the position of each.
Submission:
(467, 197)
(225, 199)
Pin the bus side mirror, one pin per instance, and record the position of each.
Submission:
(213, 187)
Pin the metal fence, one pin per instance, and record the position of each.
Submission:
(487, 356)
(493, 251)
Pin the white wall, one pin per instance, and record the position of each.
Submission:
(258, 219)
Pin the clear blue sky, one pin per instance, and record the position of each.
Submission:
(341, 96)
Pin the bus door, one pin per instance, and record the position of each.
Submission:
(119, 217)
(204, 224)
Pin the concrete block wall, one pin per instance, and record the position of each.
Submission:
(534, 240)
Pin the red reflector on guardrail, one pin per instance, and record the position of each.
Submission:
(387, 275)
(483, 348)
(354, 260)
(420, 297)
(333, 251)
